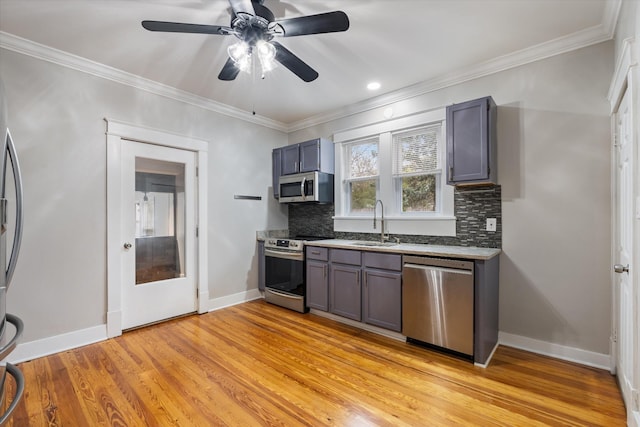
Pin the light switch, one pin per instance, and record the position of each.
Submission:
(492, 224)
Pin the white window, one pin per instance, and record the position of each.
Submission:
(400, 163)
(362, 174)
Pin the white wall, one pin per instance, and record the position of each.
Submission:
(56, 117)
(554, 168)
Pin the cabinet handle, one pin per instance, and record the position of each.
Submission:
(366, 282)
(450, 173)
(315, 252)
(324, 271)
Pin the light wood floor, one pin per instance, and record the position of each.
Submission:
(258, 364)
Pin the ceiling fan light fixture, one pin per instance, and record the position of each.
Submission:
(240, 53)
(266, 54)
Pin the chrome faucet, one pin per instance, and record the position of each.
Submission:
(383, 237)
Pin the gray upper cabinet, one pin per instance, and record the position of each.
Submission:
(309, 156)
(471, 142)
(317, 155)
(290, 159)
(276, 171)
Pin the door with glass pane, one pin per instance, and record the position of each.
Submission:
(159, 231)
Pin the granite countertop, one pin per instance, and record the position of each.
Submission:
(411, 249)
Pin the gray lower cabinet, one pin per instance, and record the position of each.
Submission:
(318, 285)
(345, 292)
(382, 299)
(261, 271)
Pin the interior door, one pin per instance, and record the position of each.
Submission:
(158, 233)
(624, 295)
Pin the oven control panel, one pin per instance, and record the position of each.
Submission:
(290, 244)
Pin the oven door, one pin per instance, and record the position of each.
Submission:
(284, 279)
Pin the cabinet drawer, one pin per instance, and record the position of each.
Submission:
(383, 261)
(321, 254)
(345, 256)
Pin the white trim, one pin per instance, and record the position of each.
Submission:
(587, 37)
(571, 354)
(58, 343)
(234, 299)
(486, 362)
(36, 50)
(119, 132)
(626, 61)
(442, 223)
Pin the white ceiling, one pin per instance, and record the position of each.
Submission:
(420, 44)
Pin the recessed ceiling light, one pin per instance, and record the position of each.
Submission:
(373, 86)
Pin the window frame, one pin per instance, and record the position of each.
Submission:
(438, 223)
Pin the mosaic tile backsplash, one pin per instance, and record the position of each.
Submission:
(473, 205)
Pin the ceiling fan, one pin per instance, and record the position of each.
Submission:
(255, 26)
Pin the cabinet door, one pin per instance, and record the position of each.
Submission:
(310, 156)
(276, 171)
(382, 299)
(318, 285)
(345, 291)
(261, 271)
(471, 142)
(290, 159)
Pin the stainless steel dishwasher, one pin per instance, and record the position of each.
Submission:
(437, 302)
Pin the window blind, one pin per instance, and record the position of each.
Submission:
(416, 152)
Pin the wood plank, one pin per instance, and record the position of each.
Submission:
(259, 364)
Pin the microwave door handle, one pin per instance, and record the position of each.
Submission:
(17, 236)
(302, 189)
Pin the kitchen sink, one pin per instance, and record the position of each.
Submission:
(370, 243)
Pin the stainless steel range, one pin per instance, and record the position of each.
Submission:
(284, 273)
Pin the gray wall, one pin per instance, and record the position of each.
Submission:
(56, 118)
(554, 170)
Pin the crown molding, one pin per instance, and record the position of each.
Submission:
(49, 54)
(590, 36)
(587, 37)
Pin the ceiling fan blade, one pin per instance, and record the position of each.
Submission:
(296, 65)
(330, 22)
(177, 27)
(242, 6)
(229, 71)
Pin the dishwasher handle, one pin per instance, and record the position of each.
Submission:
(440, 269)
(455, 264)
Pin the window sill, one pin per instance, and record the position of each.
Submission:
(411, 225)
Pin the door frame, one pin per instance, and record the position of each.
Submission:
(118, 133)
(626, 77)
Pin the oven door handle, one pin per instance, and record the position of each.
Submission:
(294, 256)
(282, 294)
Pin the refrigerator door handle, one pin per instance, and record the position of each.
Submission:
(17, 236)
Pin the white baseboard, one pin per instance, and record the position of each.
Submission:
(56, 344)
(571, 354)
(229, 300)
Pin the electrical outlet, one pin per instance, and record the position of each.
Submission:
(492, 224)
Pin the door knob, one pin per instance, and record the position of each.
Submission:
(127, 246)
(619, 268)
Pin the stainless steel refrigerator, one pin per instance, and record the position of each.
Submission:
(10, 216)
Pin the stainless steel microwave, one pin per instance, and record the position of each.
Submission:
(306, 187)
